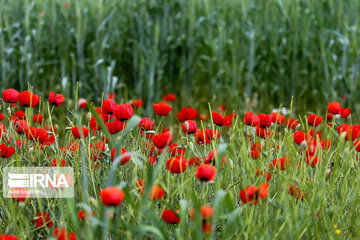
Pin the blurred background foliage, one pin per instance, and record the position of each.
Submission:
(218, 51)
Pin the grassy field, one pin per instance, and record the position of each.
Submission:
(217, 51)
(229, 175)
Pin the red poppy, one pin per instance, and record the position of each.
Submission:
(2, 117)
(219, 120)
(82, 103)
(189, 127)
(263, 132)
(112, 196)
(277, 118)
(210, 159)
(348, 132)
(140, 185)
(28, 99)
(162, 140)
(206, 213)
(80, 132)
(62, 234)
(296, 192)
(292, 123)
(8, 237)
(212, 134)
(262, 173)
(195, 161)
(162, 108)
(37, 118)
(345, 112)
(170, 216)
(300, 138)
(82, 214)
(10, 95)
(177, 164)
(170, 97)
(221, 108)
(325, 144)
(314, 120)
(6, 152)
(137, 103)
(252, 194)
(42, 219)
(123, 112)
(255, 154)
(201, 137)
(58, 162)
(187, 114)
(265, 120)
(312, 160)
(156, 192)
(205, 172)
(281, 163)
(124, 156)
(176, 150)
(334, 107)
(115, 126)
(20, 194)
(146, 124)
(251, 119)
(108, 106)
(357, 145)
(56, 99)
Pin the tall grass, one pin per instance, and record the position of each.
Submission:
(203, 50)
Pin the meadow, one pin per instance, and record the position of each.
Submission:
(199, 119)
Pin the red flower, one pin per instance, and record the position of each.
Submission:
(357, 145)
(146, 124)
(37, 118)
(28, 99)
(19, 115)
(156, 192)
(300, 138)
(212, 134)
(6, 152)
(62, 234)
(203, 117)
(56, 99)
(123, 112)
(334, 107)
(187, 114)
(82, 103)
(281, 163)
(169, 97)
(42, 219)
(205, 172)
(312, 161)
(80, 132)
(82, 214)
(112, 196)
(108, 106)
(56, 162)
(251, 119)
(10, 95)
(196, 161)
(162, 108)
(265, 120)
(219, 120)
(277, 118)
(314, 120)
(348, 132)
(201, 137)
(255, 154)
(19, 194)
(262, 173)
(8, 237)
(222, 108)
(124, 156)
(206, 213)
(252, 194)
(115, 126)
(175, 150)
(210, 159)
(170, 216)
(263, 132)
(162, 140)
(329, 117)
(137, 103)
(292, 123)
(177, 164)
(256, 146)
(345, 112)
(189, 127)
(295, 191)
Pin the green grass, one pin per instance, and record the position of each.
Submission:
(203, 50)
(279, 216)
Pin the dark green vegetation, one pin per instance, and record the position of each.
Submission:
(211, 50)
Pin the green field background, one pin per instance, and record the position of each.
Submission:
(252, 53)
